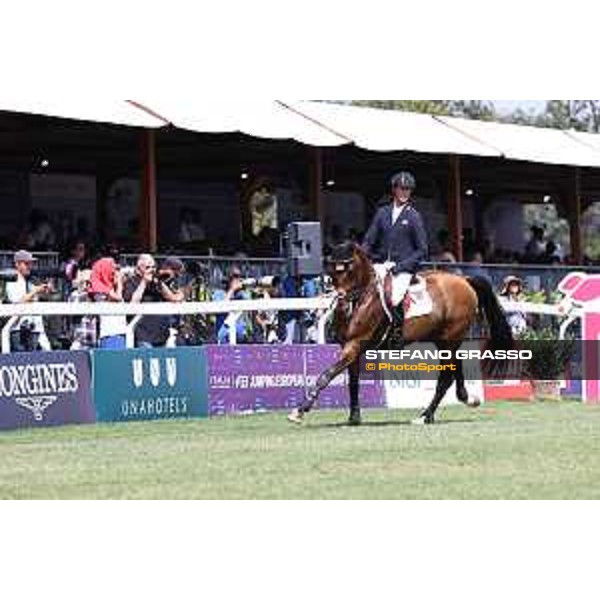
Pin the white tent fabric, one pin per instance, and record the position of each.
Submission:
(119, 112)
(390, 130)
(534, 144)
(330, 125)
(591, 140)
(259, 118)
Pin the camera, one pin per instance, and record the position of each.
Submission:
(268, 281)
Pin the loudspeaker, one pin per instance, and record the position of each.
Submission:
(304, 249)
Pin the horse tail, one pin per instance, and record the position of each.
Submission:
(501, 337)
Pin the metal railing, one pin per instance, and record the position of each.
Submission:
(44, 259)
(216, 268)
(537, 278)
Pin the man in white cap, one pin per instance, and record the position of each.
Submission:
(28, 333)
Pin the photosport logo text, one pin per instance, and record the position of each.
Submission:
(36, 387)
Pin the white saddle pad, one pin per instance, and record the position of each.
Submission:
(417, 297)
(421, 303)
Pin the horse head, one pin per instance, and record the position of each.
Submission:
(350, 268)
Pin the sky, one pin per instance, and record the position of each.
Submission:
(527, 105)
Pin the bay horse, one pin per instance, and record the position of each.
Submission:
(360, 317)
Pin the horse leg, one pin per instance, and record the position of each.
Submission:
(354, 385)
(443, 385)
(350, 354)
(461, 390)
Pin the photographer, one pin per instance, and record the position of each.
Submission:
(235, 287)
(267, 288)
(150, 285)
(28, 334)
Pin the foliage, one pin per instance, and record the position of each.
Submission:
(550, 355)
(470, 109)
(582, 115)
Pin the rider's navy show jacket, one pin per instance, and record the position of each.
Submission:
(404, 243)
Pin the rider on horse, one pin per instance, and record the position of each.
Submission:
(397, 242)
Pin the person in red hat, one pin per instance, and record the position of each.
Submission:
(106, 285)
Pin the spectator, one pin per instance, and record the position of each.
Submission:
(106, 285)
(268, 320)
(75, 262)
(475, 268)
(512, 291)
(225, 322)
(170, 273)
(84, 329)
(535, 247)
(191, 232)
(147, 285)
(42, 232)
(551, 255)
(28, 333)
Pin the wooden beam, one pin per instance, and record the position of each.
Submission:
(315, 184)
(148, 233)
(576, 210)
(455, 216)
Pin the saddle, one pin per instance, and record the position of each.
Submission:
(417, 302)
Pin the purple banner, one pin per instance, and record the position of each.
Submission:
(264, 378)
(40, 389)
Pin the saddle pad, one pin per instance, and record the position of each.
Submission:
(417, 302)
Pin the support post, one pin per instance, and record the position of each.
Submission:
(455, 216)
(315, 184)
(148, 199)
(575, 208)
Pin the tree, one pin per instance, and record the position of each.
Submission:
(434, 107)
(469, 109)
(474, 109)
(583, 115)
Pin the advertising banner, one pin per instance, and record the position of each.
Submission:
(144, 385)
(40, 389)
(244, 379)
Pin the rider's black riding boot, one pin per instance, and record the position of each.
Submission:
(396, 338)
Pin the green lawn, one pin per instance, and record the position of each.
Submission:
(500, 451)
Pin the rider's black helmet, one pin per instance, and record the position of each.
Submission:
(405, 180)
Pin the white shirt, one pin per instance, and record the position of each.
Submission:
(15, 292)
(396, 212)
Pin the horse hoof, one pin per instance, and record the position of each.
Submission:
(354, 421)
(422, 420)
(296, 417)
(474, 402)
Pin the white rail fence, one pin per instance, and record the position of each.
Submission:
(323, 306)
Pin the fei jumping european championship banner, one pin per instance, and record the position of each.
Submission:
(145, 385)
(40, 389)
(246, 379)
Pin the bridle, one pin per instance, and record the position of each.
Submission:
(356, 294)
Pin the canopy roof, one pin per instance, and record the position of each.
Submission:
(269, 119)
(118, 112)
(330, 125)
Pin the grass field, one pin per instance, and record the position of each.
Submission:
(501, 451)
